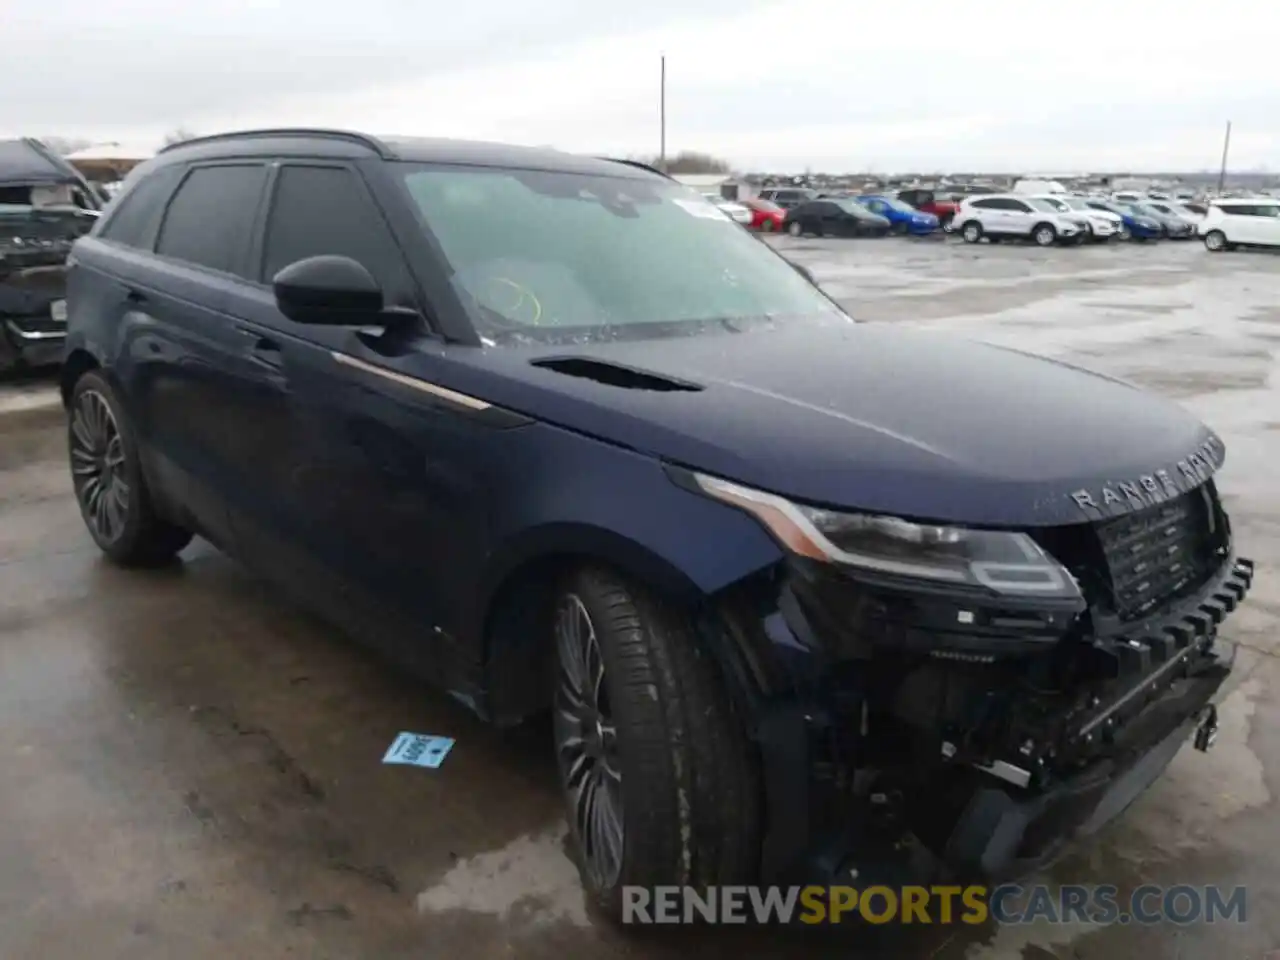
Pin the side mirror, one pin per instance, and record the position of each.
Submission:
(329, 290)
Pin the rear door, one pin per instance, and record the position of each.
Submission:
(831, 218)
(180, 356)
(1016, 216)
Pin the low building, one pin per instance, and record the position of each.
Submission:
(105, 162)
(727, 185)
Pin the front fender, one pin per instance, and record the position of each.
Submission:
(562, 499)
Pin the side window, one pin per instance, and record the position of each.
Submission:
(132, 221)
(1233, 209)
(325, 210)
(210, 219)
(986, 204)
(1017, 205)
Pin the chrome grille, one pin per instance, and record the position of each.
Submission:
(1155, 555)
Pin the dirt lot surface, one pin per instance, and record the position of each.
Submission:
(191, 768)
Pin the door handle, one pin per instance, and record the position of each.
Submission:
(135, 296)
(262, 350)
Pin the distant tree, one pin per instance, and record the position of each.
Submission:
(65, 145)
(690, 161)
(178, 135)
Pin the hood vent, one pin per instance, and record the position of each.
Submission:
(614, 375)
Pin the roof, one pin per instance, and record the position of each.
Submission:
(352, 145)
(28, 161)
(1258, 199)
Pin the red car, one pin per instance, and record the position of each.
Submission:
(929, 202)
(765, 214)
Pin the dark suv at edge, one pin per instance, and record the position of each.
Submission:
(555, 435)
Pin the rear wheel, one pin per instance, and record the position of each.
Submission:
(971, 231)
(1215, 240)
(660, 783)
(106, 475)
(795, 229)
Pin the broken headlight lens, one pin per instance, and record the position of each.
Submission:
(1007, 562)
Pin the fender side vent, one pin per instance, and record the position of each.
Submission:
(614, 375)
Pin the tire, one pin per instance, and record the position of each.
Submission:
(766, 226)
(1215, 241)
(1044, 235)
(681, 768)
(1124, 233)
(795, 229)
(107, 477)
(899, 229)
(972, 231)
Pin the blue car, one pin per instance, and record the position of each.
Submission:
(1136, 225)
(796, 593)
(903, 217)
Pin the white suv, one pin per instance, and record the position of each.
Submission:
(1006, 215)
(1251, 221)
(1101, 224)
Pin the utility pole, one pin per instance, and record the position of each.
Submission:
(1222, 173)
(662, 114)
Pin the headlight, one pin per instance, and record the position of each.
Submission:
(1005, 562)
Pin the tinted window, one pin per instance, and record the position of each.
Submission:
(986, 204)
(324, 210)
(210, 218)
(134, 218)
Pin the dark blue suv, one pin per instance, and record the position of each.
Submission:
(556, 434)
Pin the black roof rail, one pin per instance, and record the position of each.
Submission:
(373, 143)
(639, 165)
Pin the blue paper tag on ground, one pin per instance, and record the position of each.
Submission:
(419, 750)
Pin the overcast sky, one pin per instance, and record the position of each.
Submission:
(768, 84)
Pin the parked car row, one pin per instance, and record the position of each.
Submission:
(1051, 218)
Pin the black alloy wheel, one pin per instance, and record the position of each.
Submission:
(587, 743)
(98, 466)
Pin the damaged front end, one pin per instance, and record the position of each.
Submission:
(34, 245)
(906, 725)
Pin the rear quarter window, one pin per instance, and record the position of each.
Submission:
(133, 219)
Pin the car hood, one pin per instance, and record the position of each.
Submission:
(860, 417)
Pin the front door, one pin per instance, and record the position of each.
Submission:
(368, 509)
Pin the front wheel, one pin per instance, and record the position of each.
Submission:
(107, 478)
(1215, 241)
(1044, 235)
(767, 225)
(660, 783)
(1124, 233)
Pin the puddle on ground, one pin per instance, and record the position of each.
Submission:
(530, 879)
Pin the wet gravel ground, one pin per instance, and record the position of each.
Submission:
(191, 767)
